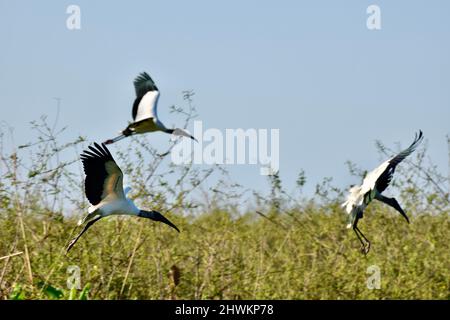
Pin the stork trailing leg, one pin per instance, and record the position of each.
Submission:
(125, 133)
(365, 246)
(87, 226)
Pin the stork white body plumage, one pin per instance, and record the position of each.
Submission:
(104, 190)
(110, 207)
(355, 200)
(373, 185)
(145, 111)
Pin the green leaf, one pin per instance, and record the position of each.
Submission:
(50, 291)
(17, 293)
(84, 292)
(72, 294)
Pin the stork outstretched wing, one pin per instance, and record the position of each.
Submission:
(147, 95)
(381, 177)
(103, 176)
(385, 178)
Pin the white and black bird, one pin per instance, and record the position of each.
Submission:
(104, 190)
(372, 186)
(144, 112)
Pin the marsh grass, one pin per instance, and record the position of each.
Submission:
(219, 256)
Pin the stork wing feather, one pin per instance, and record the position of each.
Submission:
(386, 177)
(147, 95)
(143, 84)
(402, 155)
(103, 177)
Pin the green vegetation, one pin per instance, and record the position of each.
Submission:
(288, 247)
(220, 256)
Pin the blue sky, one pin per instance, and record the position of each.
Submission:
(309, 68)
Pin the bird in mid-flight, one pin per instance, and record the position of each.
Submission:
(104, 190)
(372, 186)
(144, 112)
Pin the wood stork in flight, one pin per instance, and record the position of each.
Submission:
(144, 112)
(372, 186)
(104, 190)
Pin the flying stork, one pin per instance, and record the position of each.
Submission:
(144, 112)
(372, 186)
(104, 190)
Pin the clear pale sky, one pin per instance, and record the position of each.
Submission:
(309, 68)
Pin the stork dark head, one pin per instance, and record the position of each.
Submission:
(156, 216)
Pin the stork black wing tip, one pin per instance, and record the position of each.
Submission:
(97, 145)
(419, 137)
(105, 148)
(142, 76)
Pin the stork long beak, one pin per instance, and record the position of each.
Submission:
(394, 204)
(156, 216)
(183, 133)
(167, 221)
